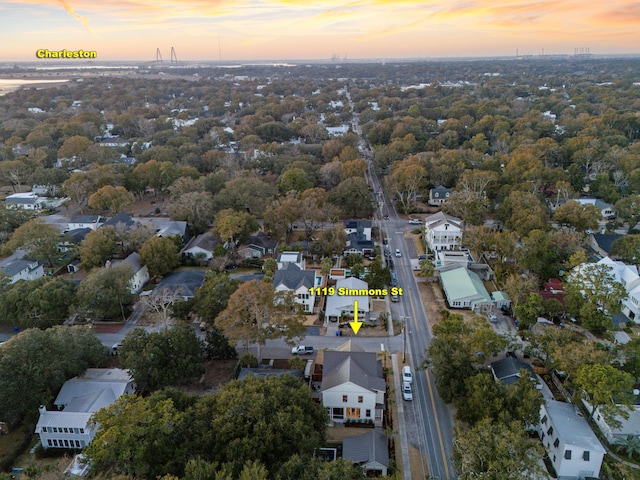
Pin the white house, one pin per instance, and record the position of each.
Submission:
(573, 448)
(443, 232)
(464, 289)
(360, 227)
(201, 246)
(78, 400)
(25, 201)
(606, 209)
(300, 282)
(86, 221)
(294, 258)
(627, 426)
(353, 387)
(338, 305)
(22, 269)
(140, 272)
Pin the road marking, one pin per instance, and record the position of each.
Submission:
(433, 404)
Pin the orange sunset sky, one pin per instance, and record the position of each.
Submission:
(299, 29)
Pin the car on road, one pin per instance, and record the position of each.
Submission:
(302, 350)
(407, 376)
(415, 221)
(398, 254)
(115, 349)
(407, 393)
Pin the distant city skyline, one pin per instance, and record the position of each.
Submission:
(206, 30)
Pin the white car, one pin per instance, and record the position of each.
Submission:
(407, 376)
(407, 394)
(398, 254)
(415, 221)
(301, 350)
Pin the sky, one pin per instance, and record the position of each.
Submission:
(280, 30)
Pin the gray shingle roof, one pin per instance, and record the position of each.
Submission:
(508, 369)
(293, 278)
(572, 429)
(184, 282)
(360, 368)
(370, 447)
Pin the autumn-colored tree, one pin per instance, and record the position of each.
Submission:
(232, 226)
(98, 247)
(112, 199)
(578, 216)
(40, 240)
(404, 181)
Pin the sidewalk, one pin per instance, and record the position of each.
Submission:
(402, 429)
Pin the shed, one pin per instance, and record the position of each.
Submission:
(370, 451)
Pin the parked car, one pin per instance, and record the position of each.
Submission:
(115, 349)
(398, 254)
(415, 221)
(301, 350)
(407, 376)
(407, 393)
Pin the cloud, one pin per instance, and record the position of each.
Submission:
(80, 18)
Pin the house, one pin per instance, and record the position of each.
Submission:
(183, 283)
(21, 269)
(360, 227)
(628, 276)
(443, 232)
(601, 243)
(370, 451)
(78, 400)
(342, 305)
(258, 245)
(619, 434)
(464, 289)
(300, 282)
(456, 258)
(553, 288)
(201, 246)
(606, 209)
(573, 449)
(120, 220)
(358, 244)
(92, 222)
(508, 370)
(114, 142)
(25, 201)
(165, 227)
(72, 238)
(295, 258)
(501, 299)
(439, 195)
(140, 272)
(353, 386)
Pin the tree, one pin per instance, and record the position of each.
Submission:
(15, 172)
(577, 215)
(98, 247)
(113, 199)
(404, 181)
(352, 196)
(196, 208)
(161, 255)
(294, 179)
(38, 239)
(598, 286)
(217, 346)
(627, 249)
(494, 451)
(427, 268)
(161, 302)
(161, 359)
(75, 146)
(607, 390)
(105, 294)
(212, 298)
(283, 214)
(49, 302)
(628, 210)
(35, 363)
(523, 212)
(256, 313)
(528, 312)
(469, 200)
(331, 242)
(378, 276)
(232, 226)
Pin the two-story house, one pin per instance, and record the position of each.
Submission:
(78, 400)
(439, 195)
(574, 450)
(22, 269)
(294, 258)
(360, 227)
(443, 232)
(353, 386)
(301, 282)
(25, 201)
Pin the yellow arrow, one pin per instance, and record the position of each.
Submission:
(355, 325)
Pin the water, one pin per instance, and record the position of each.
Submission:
(10, 84)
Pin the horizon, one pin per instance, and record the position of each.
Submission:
(274, 30)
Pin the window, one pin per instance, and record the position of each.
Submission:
(567, 454)
(77, 444)
(544, 420)
(44, 429)
(556, 443)
(66, 443)
(338, 413)
(55, 442)
(55, 429)
(82, 430)
(368, 413)
(353, 413)
(344, 399)
(66, 430)
(586, 456)
(49, 442)
(550, 431)
(360, 399)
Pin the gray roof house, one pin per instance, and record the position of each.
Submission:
(184, 283)
(291, 279)
(507, 370)
(353, 387)
(439, 195)
(601, 243)
(69, 426)
(573, 449)
(257, 245)
(370, 451)
(21, 269)
(201, 245)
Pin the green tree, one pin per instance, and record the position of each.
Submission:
(212, 298)
(627, 249)
(75, 146)
(217, 346)
(427, 268)
(105, 294)
(98, 247)
(597, 285)
(579, 216)
(161, 255)
(232, 226)
(38, 239)
(495, 451)
(35, 363)
(161, 359)
(295, 179)
(331, 242)
(527, 313)
(523, 212)
(607, 389)
(49, 301)
(352, 196)
(256, 313)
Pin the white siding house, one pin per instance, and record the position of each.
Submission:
(25, 201)
(443, 232)
(353, 387)
(300, 282)
(22, 269)
(78, 400)
(140, 272)
(338, 305)
(573, 448)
